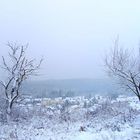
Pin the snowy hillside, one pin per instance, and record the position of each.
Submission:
(78, 118)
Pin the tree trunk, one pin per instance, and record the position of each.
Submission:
(8, 111)
(138, 97)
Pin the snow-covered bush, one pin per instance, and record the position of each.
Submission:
(102, 118)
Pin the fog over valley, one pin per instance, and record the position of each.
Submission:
(69, 69)
(72, 36)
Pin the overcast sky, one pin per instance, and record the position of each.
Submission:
(71, 35)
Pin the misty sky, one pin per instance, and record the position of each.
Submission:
(71, 35)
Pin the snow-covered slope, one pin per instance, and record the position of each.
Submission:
(78, 118)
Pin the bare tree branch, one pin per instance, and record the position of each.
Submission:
(124, 65)
(18, 71)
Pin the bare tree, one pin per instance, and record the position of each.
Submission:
(18, 69)
(124, 64)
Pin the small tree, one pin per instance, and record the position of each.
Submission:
(125, 66)
(18, 69)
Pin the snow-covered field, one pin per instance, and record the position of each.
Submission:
(77, 118)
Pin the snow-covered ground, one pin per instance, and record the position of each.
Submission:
(77, 118)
